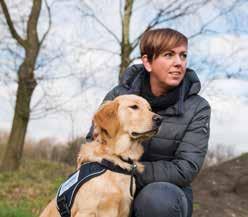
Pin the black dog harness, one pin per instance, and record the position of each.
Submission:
(67, 191)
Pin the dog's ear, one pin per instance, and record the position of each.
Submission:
(106, 118)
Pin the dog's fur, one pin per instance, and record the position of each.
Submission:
(119, 128)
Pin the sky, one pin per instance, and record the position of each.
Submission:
(79, 100)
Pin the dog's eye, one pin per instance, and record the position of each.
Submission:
(134, 107)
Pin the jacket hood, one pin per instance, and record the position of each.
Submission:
(132, 79)
(191, 84)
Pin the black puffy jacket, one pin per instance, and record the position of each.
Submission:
(177, 152)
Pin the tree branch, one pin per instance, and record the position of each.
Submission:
(10, 24)
(100, 23)
(49, 24)
(120, 11)
(32, 33)
(220, 14)
(171, 12)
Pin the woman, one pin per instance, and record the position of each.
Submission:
(174, 156)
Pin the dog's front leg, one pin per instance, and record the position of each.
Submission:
(100, 157)
(117, 161)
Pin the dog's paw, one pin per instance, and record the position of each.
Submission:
(126, 166)
(140, 167)
(116, 161)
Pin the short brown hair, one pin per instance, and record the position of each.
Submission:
(155, 42)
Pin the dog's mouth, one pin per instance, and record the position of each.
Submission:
(137, 135)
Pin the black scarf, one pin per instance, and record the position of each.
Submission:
(158, 102)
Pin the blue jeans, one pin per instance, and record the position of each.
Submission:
(163, 199)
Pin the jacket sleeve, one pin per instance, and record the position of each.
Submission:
(189, 156)
(110, 96)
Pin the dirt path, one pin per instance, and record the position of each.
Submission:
(222, 190)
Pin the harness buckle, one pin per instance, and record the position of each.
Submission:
(134, 167)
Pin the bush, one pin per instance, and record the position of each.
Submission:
(72, 150)
(47, 149)
(50, 149)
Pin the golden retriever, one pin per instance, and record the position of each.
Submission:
(119, 128)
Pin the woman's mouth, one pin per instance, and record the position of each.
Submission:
(177, 73)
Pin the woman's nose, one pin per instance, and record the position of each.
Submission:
(177, 60)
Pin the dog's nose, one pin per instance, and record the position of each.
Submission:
(157, 119)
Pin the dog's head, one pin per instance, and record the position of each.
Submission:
(129, 115)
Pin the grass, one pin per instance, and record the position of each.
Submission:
(25, 193)
(196, 205)
(244, 156)
(10, 211)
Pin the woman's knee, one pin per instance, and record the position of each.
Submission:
(160, 199)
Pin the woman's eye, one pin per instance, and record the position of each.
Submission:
(184, 56)
(134, 107)
(168, 55)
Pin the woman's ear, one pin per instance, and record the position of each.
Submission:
(146, 63)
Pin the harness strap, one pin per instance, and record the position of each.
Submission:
(64, 210)
(134, 167)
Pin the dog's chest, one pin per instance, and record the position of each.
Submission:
(117, 182)
(106, 190)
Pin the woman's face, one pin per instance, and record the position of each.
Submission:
(167, 70)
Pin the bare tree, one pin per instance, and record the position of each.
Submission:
(161, 14)
(26, 81)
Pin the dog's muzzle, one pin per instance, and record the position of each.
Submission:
(157, 120)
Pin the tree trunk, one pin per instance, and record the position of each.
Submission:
(26, 85)
(125, 60)
(126, 47)
(14, 149)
